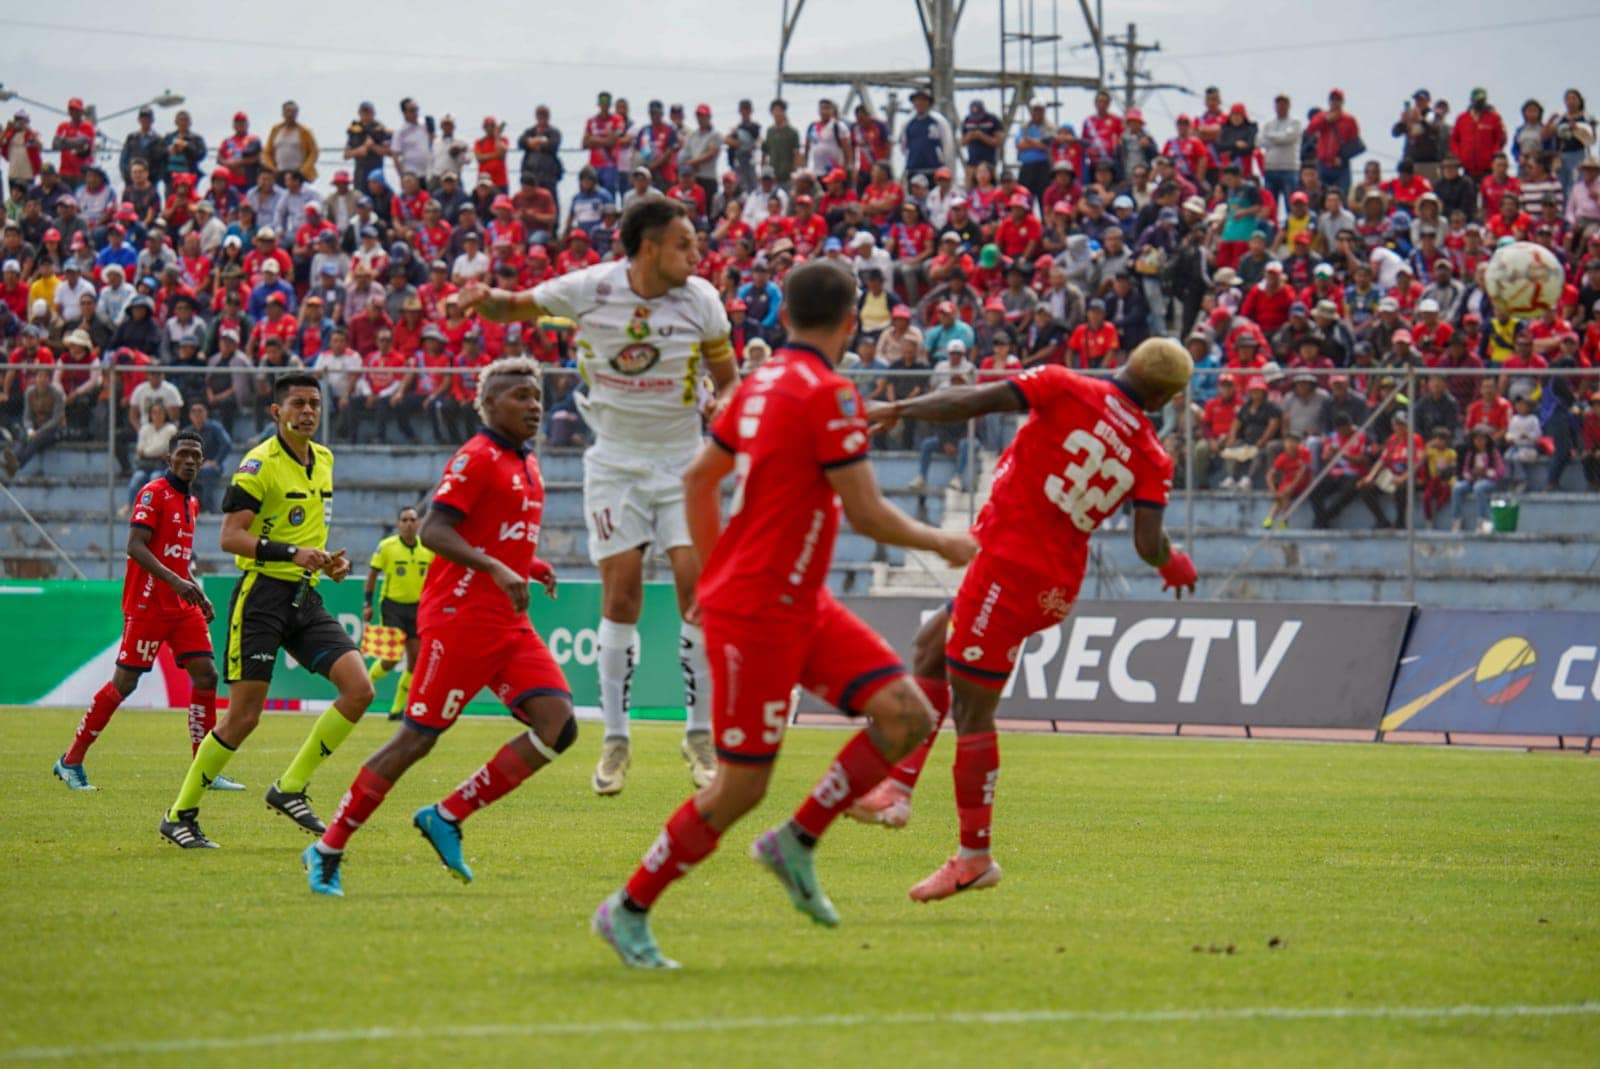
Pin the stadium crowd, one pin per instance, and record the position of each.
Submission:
(1303, 287)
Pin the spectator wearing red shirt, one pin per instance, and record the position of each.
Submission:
(1407, 187)
(1589, 443)
(240, 155)
(1094, 343)
(691, 194)
(601, 132)
(1490, 410)
(1479, 133)
(1190, 158)
(1216, 418)
(810, 230)
(1102, 133)
(490, 152)
(1267, 303)
(1019, 233)
(1334, 133)
(577, 254)
(1287, 479)
(881, 199)
(75, 141)
(1510, 220)
(1494, 187)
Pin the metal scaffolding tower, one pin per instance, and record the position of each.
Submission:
(939, 20)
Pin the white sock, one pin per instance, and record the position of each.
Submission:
(696, 678)
(617, 645)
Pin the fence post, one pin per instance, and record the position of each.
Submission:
(1411, 483)
(971, 474)
(1188, 467)
(111, 469)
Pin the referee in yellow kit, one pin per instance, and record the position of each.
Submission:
(403, 562)
(275, 522)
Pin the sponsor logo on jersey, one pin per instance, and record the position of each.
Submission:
(1055, 602)
(297, 516)
(636, 359)
(733, 738)
(972, 653)
(250, 466)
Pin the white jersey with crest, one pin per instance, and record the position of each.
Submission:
(640, 358)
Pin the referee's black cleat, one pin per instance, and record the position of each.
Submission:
(185, 831)
(297, 807)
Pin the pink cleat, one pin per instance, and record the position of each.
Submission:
(956, 875)
(888, 804)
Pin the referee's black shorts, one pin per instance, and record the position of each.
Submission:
(401, 615)
(262, 619)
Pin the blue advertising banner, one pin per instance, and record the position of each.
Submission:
(1534, 673)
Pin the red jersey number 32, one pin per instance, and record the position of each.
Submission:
(1074, 491)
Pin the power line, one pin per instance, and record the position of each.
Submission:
(697, 67)
(1385, 38)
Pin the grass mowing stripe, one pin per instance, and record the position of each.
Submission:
(841, 1020)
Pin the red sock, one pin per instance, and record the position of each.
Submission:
(503, 774)
(938, 694)
(94, 721)
(858, 768)
(685, 841)
(977, 769)
(363, 798)
(202, 717)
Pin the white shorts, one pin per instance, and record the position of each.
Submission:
(633, 502)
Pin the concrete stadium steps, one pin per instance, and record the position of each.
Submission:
(1553, 513)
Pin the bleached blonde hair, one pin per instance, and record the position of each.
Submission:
(506, 365)
(1161, 364)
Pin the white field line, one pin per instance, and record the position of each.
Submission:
(629, 1026)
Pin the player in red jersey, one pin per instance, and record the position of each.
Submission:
(161, 604)
(795, 434)
(1086, 448)
(474, 630)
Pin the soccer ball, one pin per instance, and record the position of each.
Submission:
(1524, 280)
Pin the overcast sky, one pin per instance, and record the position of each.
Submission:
(493, 57)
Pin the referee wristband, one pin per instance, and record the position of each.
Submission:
(268, 551)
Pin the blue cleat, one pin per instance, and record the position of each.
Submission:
(628, 933)
(445, 838)
(781, 853)
(322, 871)
(73, 776)
(223, 783)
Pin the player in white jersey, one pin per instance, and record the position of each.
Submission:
(648, 329)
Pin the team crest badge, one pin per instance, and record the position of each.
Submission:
(250, 467)
(636, 359)
(638, 327)
(297, 516)
(399, 570)
(459, 464)
(847, 404)
(145, 498)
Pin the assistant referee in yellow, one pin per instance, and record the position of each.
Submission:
(277, 510)
(403, 562)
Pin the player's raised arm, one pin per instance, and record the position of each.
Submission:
(1150, 540)
(871, 514)
(954, 404)
(500, 306)
(702, 496)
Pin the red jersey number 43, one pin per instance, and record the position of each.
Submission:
(1093, 484)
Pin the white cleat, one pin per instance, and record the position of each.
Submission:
(702, 758)
(611, 774)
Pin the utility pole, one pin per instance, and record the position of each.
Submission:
(1134, 79)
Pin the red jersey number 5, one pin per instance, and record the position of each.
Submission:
(1074, 493)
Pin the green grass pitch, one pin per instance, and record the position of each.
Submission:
(1171, 902)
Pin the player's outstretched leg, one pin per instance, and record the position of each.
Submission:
(698, 751)
(553, 730)
(889, 803)
(69, 766)
(900, 720)
(976, 773)
(288, 795)
(617, 645)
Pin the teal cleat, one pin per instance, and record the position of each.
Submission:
(73, 776)
(786, 857)
(322, 871)
(628, 933)
(445, 838)
(223, 783)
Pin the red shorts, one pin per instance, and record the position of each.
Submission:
(755, 663)
(455, 663)
(998, 606)
(142, 638)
